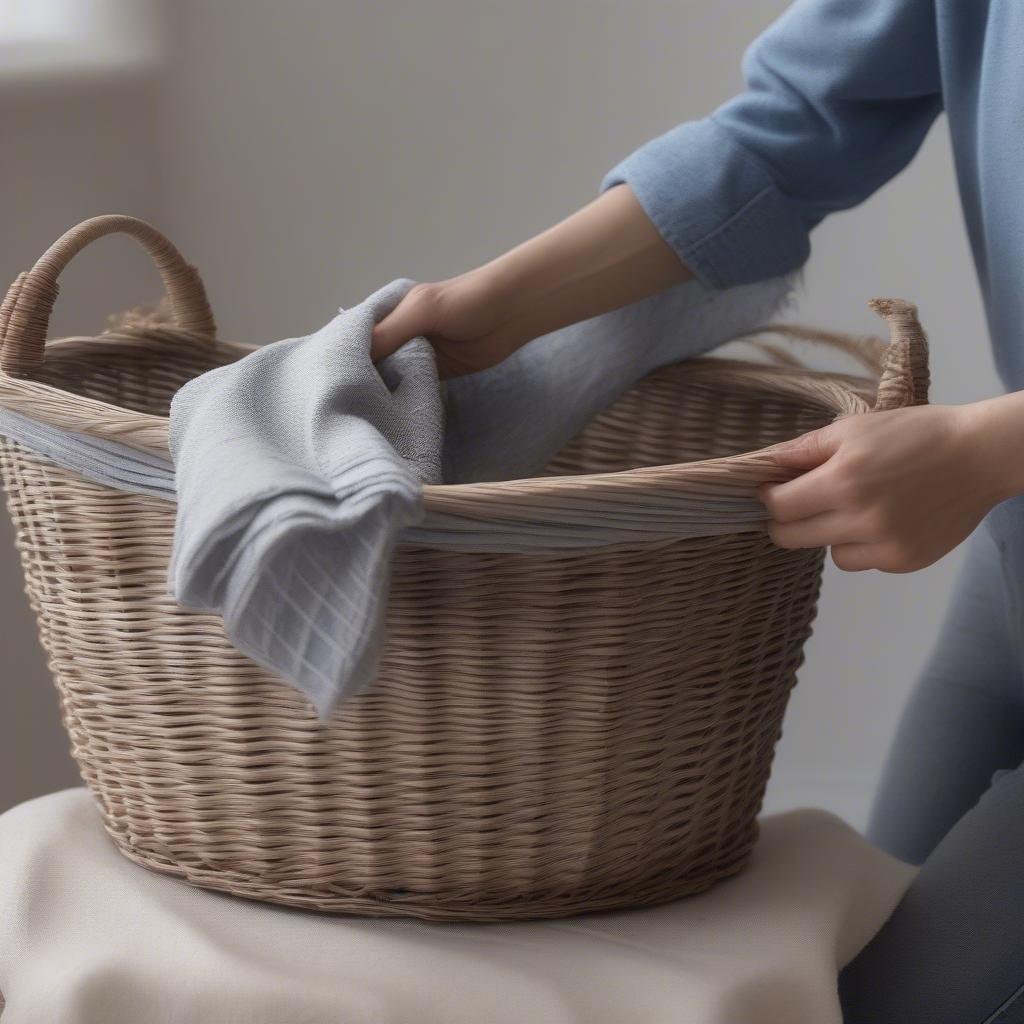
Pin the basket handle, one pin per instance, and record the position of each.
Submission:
(867, 350)
(904, 379)
(901, 366)
(25, 312)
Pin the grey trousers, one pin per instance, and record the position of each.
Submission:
(952, 800)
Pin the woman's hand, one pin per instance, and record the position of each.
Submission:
(897, 490)
(606, 255)
(463, 318)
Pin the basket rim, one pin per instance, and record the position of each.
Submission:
(830, 391)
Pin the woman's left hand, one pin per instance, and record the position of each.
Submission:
(897, 490)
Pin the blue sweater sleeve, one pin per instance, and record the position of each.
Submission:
(839, 96)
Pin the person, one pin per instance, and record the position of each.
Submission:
(839, 95)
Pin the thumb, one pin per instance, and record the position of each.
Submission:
(405, 322)
(806, 451)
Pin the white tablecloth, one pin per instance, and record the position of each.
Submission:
(88, 937)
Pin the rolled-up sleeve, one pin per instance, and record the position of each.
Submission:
(839, 96)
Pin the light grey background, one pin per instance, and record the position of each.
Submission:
(302, 154)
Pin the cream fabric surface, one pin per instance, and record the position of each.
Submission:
(88, 937)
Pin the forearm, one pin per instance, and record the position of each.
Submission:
(995, 427)
(606, 255)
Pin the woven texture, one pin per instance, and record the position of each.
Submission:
(551, 732)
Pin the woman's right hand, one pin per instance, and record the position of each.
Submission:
(461, 317)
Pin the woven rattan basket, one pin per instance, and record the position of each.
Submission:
(551, 732)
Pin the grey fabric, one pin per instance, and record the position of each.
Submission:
(102, 461)
(298, 468)
(507, 422)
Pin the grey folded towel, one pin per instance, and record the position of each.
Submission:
(297, 468)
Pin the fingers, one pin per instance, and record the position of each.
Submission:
(808, 450)
(832, 530)
(851, 555)
(411, 318)
(820, 531)
(391, 333)
(887, 556)
(857, 557)
(807, 495)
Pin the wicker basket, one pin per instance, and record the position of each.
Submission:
(551, 733)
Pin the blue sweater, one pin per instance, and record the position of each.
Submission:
(840, 94)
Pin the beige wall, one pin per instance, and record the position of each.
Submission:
(308, 152)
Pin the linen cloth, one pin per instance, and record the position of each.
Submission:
(88, 937)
